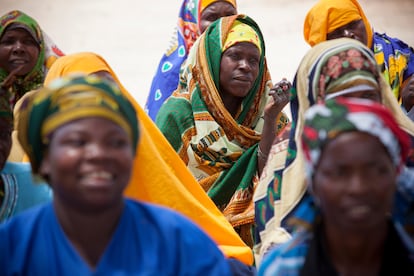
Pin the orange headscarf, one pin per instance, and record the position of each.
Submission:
(159, 175)
(205, 3)
(329, 15)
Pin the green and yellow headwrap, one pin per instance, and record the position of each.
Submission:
(35, 77)
(241, 32)
(67, 99)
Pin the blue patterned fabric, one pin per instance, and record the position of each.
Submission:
(20, 191)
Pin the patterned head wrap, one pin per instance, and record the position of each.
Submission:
(205, 3)
(68, 99)
(286, 185)
(343, 70)
(328, 15)
(47, 55)
(241, 32)
(325, 122)
(185, 34)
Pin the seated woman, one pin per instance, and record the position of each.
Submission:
(222, 118)
(331, 19)
(18, 189)
(354, 151)
(90, 228)
(339, 67)
(194, 17)
(160, 176)
(26, 54)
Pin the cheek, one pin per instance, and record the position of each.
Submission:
(34, 54)
(203, 25)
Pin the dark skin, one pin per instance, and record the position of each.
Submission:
(88, 169)
(19, 52)
(239, 68)
(215, 11)
(356, 30)
(407, 93)
(354, 188)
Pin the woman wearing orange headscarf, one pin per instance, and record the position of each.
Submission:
(329, 19)
(162, 177)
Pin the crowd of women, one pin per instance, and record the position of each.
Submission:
(211, 177)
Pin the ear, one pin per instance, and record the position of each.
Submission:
(44, 169)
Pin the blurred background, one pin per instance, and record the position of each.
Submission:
(132, 35)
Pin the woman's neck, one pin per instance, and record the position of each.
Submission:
(358, 253)
(89, 232)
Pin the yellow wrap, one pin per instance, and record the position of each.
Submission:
(328, 15)
(159, 175)
(205, 3)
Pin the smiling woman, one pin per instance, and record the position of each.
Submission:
(91, 228)
(26, 53)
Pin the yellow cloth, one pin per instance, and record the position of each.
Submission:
(159, 175)
(328, 15)
(205, 3)
(241, 32)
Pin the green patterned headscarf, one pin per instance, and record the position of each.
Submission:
(35, 77)
(67, 99)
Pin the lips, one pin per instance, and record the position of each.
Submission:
(18, 62)
(359, 212)
(97, 179)
(243, 79)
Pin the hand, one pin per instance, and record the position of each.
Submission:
(10, 79)
(280, 93)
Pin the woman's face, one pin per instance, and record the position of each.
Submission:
(239, 68)
(355, 182)
(373, 95)
(215, 11)
(355, 30)
(18, 51)
(88, 163)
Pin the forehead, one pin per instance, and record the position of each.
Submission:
(17, 30)
(352, 147)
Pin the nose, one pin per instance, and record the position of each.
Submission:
(244, 64)
(96, 151)
(357, 183)
(18, 47)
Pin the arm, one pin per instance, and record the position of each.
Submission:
(280, 97)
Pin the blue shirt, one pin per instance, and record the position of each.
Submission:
(148, 240)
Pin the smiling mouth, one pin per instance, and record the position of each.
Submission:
(18, 62)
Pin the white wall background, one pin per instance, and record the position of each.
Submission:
(133, 34)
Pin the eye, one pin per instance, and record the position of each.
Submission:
(74, 142)
(7, 41)
(119, 142)
(30, 42)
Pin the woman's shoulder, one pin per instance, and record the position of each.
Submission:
(288, 256)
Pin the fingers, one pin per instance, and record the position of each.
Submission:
(281, 91)
(11, 78)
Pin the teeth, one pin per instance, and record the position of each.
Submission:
(19, 62)
(360, 210)
(101, 175)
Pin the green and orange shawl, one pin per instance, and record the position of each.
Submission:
(48, 53)
(219, 150)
